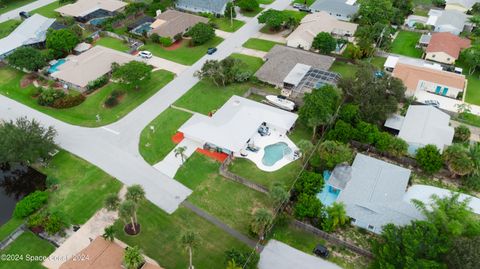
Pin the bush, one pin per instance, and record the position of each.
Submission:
(117, 93)
(155, 38)
(472, 182)
(27, 58)
(165, 41)
(55, 222)
(309, 183)
(366, 133)
(350, 113)
(241, 258)
(201, 33)
(49, 96)
(68, 101)
(429, 159)
(99, 82)
(111, 102)
(462, 133)
(308, 206)
(332, 153)
(343, 132)
(30, 204)
(37, 219)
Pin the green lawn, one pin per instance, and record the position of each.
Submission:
(473, 86)
(26, 244)
(404, 44)
(297, 14)
(226, 25)
(259, 44)
(231, 202)
(346, 70)
(251, 13)
(8, 227)
(265, 2)
(160, 238)
(155, 145)
(49, 10)
(8, 5)
(185, 54)
(82, 187)
(85, 113)
(7, 27)
(112, 43)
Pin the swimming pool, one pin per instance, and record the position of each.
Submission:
(97, 21)
(275, 152)
(54, 67)
(142, 28)
(328, 195)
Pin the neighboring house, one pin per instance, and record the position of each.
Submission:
(424, 40)
(423, 125)
(216, 7)
(411, 20)
(445, 47)
(430, 81)
(460, 5)
(85, 10)
(280, 61)
(103, 254)
(372, 191)
(315, 23)
(81, 69)
(171, 23)
(451, 21)
(31, 32)
(341, 9)
(235, 124)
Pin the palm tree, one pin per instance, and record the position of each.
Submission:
(458, 160)
(278, 194)
(128, 213)
(181, 151)
(189, 241)
(109, 233)
(474, 154)
(305, 147)
(112, 202)
(135, 193)
(233, 265)
(262, 218)
(133, 258)
(337, 215)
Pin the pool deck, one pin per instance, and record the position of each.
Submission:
(262, 142)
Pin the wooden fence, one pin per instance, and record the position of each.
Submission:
(227, 174)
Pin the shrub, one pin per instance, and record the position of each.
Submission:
(30, 204)
(68, 101)
(429, 159)
(462, 133)
(36, 220)
(99, 82)
(309, 183)
(350, 113)
(343, 132)
(241, 258)
(117, 93)
(366, 133)
(201, 33)
(332, 153)
(49, 96)
(111, 102)
(472, 182)
(155, 38)
(308, 206)
(165, 41)
(55, 222)
(27, 58)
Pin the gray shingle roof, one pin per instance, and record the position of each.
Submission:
(281, 60)
(374, 195)
(213, 6)
(335, 7)
(452, 17)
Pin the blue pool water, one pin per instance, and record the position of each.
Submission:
(328, 195)
(54, 68)
(97, 21)
(275, 152)
(142, 28)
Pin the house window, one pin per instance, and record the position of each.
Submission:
(371, 227)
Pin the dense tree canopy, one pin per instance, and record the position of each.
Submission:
(27, 58)
(201, 33)
(61, 41)
(248, 5)
(324, 42)
(224, 72)
(464, 253)
(309, 183)
(373, 11)
(458, 160)
(275, 19)
(331, 153)
(132, 74)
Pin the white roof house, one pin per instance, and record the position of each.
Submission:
(82, 8)
(235, 123)
(423, 125)
(79, 70)
(315, 23)
(460, 5)
(296, 75)
(32, 31)
(452, 21)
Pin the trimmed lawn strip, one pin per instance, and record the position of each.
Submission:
(404, 44)
(155, 145)
(9, 5)
(224, 24)
(473, 89)
(185, 54)
(26, 244)
(8, 227)
(112, 43)
(231, 202)
(160, 238)
(85, 113)
(7, 27)
(260, 44)
(82, 187)
(49, 10)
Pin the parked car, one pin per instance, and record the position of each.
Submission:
(298, 5)
(305, 9)
(433, 103)
(145, 54)
(321, 251)
(211, 51)
(24, 14)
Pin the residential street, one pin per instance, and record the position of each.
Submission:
(34, 5)
(114, 148)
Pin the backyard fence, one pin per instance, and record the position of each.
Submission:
(227, 174)
(331, 238)
(12, 236)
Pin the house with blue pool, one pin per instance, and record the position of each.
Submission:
(372, 191)
(243, 128)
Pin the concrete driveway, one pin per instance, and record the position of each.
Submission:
(160, 63)
(277, 255)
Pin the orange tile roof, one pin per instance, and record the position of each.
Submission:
(411, 75)
(448, 43)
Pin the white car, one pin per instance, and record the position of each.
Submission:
(145, 54)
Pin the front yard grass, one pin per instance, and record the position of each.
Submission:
(404, 44)
(155, 145)
(160, 238)
(229, 201)
(85, 113)
(9, 5)
(224, 24)
(112, 43)
(49, 10)
(26, 244)
(185, 54)
(7, 27)
(8, 227)
(252, 13)
(265, 2)
(260, 44)
(82, 187)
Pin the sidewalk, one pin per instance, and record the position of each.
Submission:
(252, 52)
(12, 14)
(171, 163)
(160, 63)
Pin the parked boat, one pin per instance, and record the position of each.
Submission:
(281, 102)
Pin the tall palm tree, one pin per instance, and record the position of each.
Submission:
(337, 215)
(262, 218)
(133, 258)
(127, 212)
(305, 147)
(109, 233)
(189, 241)
(474, 154)
(135, 193)
(458, 160)
(181, 151)
(112, 202)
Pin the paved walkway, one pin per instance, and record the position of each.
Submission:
(160, 63)
(13, 14)
(278, 37)
(252, 52)
(222, 34)
(251, 243)
(171, 163)
(277, 255)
